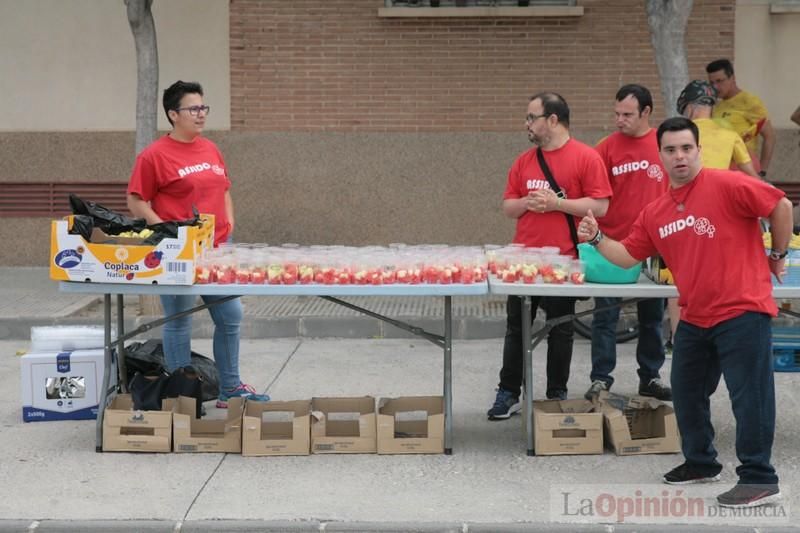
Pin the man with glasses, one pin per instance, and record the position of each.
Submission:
(744, 111)
(637, 177)
(543, 219)
(176, 173)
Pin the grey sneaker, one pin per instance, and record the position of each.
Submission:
(655, 388)
(505, 404)
(597, 386)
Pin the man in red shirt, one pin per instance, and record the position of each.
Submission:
(176, 173)
(542, 220)
(707, 229)
(634, 170)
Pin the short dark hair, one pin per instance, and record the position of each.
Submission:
(640, 92)
(677, 124)
(175, 93)
(553, 104)
(720, 64)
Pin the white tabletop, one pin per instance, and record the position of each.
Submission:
(455, 289)
(644, 288)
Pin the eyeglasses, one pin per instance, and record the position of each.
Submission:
(530, 118)
(195, 109)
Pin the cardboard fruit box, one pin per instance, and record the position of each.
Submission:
(206, 435)
(343, 425)
(111, 259)
(411, 425)
(276, 428)
(639, 425)
(567, 427)
(126, 430)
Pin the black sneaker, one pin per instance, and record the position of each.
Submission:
(506, 403)
(686, 474)
(749, 496)
(596, 388)
(656, 389)
(557, 395)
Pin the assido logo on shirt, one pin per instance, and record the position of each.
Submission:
(653, 169)
(701, 226)
(200, 167)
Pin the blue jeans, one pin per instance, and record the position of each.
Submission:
(649, 348)
(740, 350)
(559, 344)
(177, 335)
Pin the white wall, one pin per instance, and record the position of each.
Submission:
(70, 65)
(766, 63)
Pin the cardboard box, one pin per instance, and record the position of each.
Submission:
(411, 425)
(343, 425)
(62, 385)
(202, 435)
(108, 259)
(126, 430)
(639, 425)
(567, 427)
(276, 428)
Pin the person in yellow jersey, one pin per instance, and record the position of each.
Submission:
(721, 147)
(744, 111)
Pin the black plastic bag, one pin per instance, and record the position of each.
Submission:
(82, 225)
(187, 382)
(169, 229)
(148, 389)
(111, 222)
(148, 357)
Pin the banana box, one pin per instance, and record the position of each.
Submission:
(113, 259)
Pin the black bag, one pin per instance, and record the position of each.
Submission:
(188, 382)
(148, 389)
(111, 222)
(149, 357)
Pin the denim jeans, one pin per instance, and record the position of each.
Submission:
(559, 344)
(177, 335)
(740, 350)
(649, 348)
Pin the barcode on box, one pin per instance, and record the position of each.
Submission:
(176, 267)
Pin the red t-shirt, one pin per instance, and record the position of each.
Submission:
(714, 246)
(636, 176)
(579, 172)
(174, 175)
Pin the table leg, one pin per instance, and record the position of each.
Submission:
(122, 367)
(101, 407)
(448, 375)
(528, 367)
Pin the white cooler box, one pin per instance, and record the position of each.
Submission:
(62, 385)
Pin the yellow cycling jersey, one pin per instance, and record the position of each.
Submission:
(720, 146)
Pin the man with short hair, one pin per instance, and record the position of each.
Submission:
(707, 228)
(542, 220)
(722, 147)
(630, 155)
(744, 111)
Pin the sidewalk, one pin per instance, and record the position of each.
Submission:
(53, 480)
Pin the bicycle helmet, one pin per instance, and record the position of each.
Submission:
(698, 91)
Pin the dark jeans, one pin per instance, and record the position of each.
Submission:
(649, 348)
(559, 344)
(740, 350)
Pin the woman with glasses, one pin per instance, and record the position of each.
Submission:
(177, 172)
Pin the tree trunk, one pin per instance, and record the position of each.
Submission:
(667, 20)
(140, 18)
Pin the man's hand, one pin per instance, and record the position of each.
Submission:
(543, 200)
(778, 268)
(588, 227)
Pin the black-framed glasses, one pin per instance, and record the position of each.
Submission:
(194, 110)
(530, 118)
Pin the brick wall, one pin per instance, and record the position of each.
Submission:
(333, 65)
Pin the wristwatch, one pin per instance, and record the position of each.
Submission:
(594, 241)
(775, 255)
